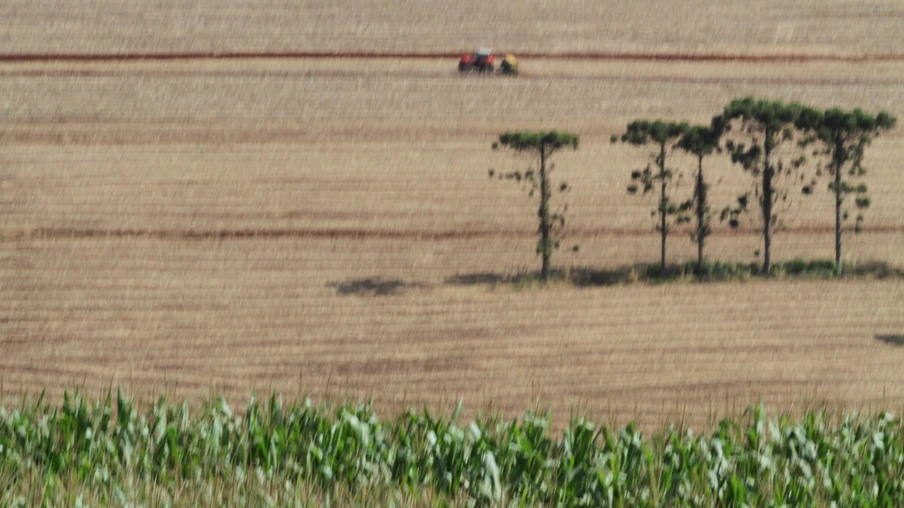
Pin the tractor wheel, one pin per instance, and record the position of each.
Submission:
(488, 69)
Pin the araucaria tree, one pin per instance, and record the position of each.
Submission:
(700, 141)
(767, 125)
(543, 145)
(842, 137)
(663, 135)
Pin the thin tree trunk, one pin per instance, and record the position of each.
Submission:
(663, 208)
(545, 246)
(700, 193)
(839, 198)
(767, 210)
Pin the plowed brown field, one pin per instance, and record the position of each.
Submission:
(326, 226)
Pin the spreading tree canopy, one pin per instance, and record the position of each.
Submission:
(766, 125)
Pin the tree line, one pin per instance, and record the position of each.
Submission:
(782, 147)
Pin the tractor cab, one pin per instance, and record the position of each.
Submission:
(481, 61)
(483, 56)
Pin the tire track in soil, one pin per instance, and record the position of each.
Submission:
(164, 74)
(246, 234)
(302, 55)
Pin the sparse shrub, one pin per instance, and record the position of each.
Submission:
(794, 267)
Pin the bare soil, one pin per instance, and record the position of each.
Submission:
(326, 227)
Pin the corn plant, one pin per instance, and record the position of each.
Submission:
(101, 452)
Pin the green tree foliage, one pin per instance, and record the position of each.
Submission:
(663, 135)
(842, 138)
(542, 144)
(700, 141)
(767, 126)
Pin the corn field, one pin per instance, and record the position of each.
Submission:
(90, 452)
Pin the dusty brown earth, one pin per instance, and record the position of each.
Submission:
(326, 226)
(791, 26)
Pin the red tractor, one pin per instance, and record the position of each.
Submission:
(481, 61)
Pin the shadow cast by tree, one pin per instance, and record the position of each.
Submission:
(372, 286)
(690, 271)
(579, 277)
(891, 340)
(475, 279)
(589, 277)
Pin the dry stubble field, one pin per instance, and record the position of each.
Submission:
(191, 226)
